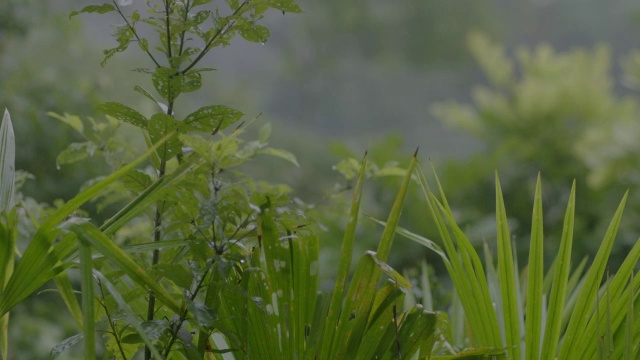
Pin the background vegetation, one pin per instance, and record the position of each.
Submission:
(337, 80)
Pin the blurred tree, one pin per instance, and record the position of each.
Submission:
(557, 113)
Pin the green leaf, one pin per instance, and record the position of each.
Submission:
(168, 83)
(210, 118)
(535, 279)
(253, 32)
(265, 133)
(344, 264)
(137, 181)
(144, 92)
(131, 316)
(161, 125)
(72, 120)
(7, 163)
(123, 113)
(100, 9)
(65, 345)
(40, 261)
(75, 152)
(285, 5)
(124, 262)
(88, 311)
(506, 270)
(588, 293)
(282, 154)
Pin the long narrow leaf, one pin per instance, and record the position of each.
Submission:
(535, 279)
(7, 163)
(88, 232)
(586, 299)
(344, 264)
(89, 327)
(506, 272)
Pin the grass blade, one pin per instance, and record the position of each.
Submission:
(506, 272)
(535, 279)
(89, 233)
(588, 293)
(346, 252)
(559, 284)
(86, 279)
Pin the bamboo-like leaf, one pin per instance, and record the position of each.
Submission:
(559, 284)
(610, 312)
(8, 237)
(585, 302)
(628, 347)
(89, 233)
(344, 264)
(7, 163)
(148, 197)
(86, 279)
(69, 297)
(465, 270)
(506, 272)
(39, 263)
(535, 279)
(384, 247)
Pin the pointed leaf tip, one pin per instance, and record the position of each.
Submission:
(415, 154)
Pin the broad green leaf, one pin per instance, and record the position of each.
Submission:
(137, 181)
(168, 83)
(535, 279)
(100, 9)
(72, 120)
(75, 152)
(507, 276)
(144, 92)
(7, 163)
(65, 345)
(265, 133)
(123, 113)
(161, 125)
(253, 32)
(587, 296)
(282, 154)
(559, 286)
(210, 118)
(285, 5)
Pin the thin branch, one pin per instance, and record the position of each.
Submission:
(221, 32)
(112, 325)
(133, 30)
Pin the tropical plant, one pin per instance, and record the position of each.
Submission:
(563, 313)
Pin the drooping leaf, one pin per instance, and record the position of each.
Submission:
(282, 154)
(65, 345)
(123, 113)
(100, 9)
